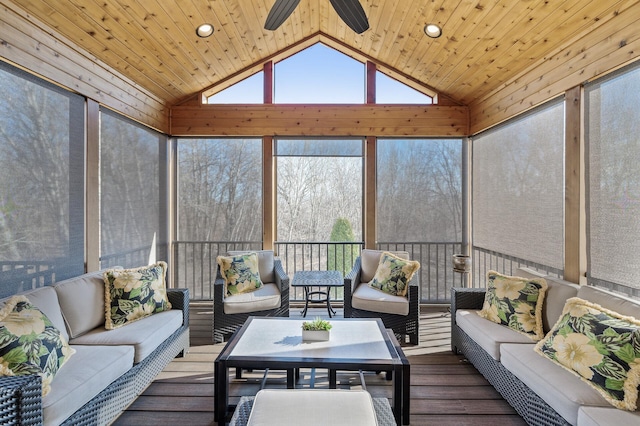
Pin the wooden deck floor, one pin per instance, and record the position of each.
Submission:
(445, 389)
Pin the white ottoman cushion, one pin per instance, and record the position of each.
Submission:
(312, 407)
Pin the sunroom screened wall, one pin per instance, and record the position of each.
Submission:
(133, 193)
(518, 193)
(613, 181)
(41, 182)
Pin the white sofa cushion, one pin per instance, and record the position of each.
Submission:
(87, 373)
(370, 299)
(266, 297)
(46, 299)
(604, 416)
(488, 334)
(312, 407)
(144, 335)
(266, 262)
(82, 302)
(558, 291)
(609, 300)
(369, 260)
(562, 390)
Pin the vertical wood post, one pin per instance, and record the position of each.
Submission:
(574, 205)
(92, 194)
(370, 190)
(268, 82)
(268, 194)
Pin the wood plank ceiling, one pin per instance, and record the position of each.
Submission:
(485, 44)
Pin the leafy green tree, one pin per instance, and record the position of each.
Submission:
(341, 256)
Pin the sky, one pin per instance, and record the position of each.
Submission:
(319, 74)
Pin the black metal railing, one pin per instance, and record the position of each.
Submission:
(486, 260)
(17, 276)
(194, 264)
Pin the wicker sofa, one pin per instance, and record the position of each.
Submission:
(541, 392)
(109, 369)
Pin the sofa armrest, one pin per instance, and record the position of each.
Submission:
(282, 279)
(179, 299)
(21, 400)
(351, 281)
(466, 298)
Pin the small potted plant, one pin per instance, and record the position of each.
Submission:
(316, 330)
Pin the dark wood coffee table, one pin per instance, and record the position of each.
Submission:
(276, 343)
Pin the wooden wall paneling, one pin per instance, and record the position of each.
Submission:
(113, 49)
(454, 24)
(92, 188)
(545, 18)
(268, 194)
(480, 33)
(36, 48)
(319, 120)
(370, 193)
(574, 206)
(605, 49)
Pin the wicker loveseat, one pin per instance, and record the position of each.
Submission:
(542, 392)
(109, 368)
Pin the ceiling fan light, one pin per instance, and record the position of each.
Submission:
(204, 30)
(432, 30)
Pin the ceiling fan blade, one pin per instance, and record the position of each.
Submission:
(352, 14)
(279, 12)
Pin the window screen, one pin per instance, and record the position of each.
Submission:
(518, 188)
(613, 180)
(133, 193)
(41, 182)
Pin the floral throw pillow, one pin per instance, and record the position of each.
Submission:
(515, 302)
(393, 274)
(240, 273)
(133, 294)
(601, 347)
(30, 343)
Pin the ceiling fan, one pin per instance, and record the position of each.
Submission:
(350, 11)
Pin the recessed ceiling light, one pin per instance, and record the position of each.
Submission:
(432, 30)
(204, 30)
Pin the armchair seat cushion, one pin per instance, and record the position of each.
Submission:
(265, 298)
(371, 299)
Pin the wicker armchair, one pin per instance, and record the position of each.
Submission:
(229, 314)
(402, 325)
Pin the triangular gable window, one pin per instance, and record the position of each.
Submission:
(390, 91)
(319, 75)
(247, 91)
